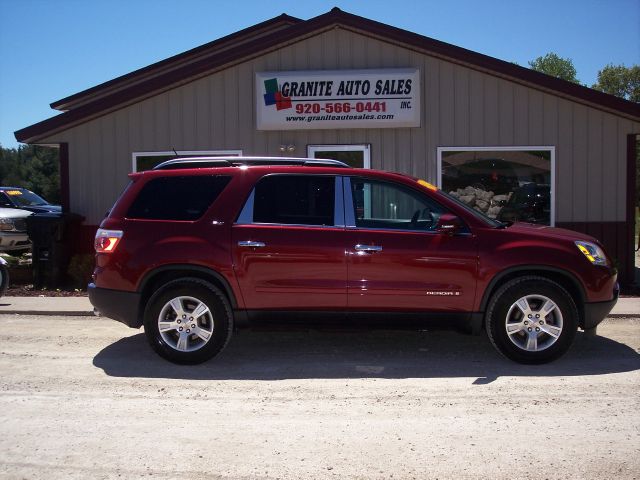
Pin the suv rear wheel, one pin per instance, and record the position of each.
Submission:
(532, 320)
(188, 321)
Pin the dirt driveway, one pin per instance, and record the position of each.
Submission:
(85, 398)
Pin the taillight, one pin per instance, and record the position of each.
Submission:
(107, 240)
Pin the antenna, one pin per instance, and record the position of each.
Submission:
(174, 151)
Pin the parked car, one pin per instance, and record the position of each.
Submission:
(13, 229)
(198, 247)
(16, 197)
(529, 203)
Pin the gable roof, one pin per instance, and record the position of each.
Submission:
(256, 31)
(275, 33)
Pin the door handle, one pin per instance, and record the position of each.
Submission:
(251, 243)
(368, 248)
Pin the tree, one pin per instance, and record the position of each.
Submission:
(32, 167)
(556, 66)
(621, 81)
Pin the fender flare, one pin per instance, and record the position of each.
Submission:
(531, 268)
(204, 271)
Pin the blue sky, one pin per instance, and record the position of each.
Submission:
(50, 49)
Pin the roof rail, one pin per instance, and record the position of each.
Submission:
(212, 162)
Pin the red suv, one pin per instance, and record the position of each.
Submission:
(200, 246)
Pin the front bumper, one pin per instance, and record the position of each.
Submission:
(14, 241)
(116, 304)
(594, 313)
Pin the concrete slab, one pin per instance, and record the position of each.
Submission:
(46, 305)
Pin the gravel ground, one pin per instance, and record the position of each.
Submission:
(84, 397)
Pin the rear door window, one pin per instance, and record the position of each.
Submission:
(177, 198)
(294, 200)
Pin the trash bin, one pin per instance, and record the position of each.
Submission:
(51, 246)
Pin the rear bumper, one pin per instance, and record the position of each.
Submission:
(594, 313)
(116, 304)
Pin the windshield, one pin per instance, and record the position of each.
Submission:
(479, 215)
(25, 198)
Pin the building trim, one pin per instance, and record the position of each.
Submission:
(65, 189)
(217, 60)
(631, 201)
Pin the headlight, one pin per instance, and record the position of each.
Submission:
(593, 252)
(6, 224)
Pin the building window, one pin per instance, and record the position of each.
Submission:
(356, 156)
(505, 183)
(147, 160)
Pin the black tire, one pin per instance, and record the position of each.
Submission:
(191, 294)
(528, 341)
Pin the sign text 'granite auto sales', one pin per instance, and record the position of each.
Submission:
(387, 98)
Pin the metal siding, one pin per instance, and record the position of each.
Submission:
(521, 115)
(476, 109)
(564, 162)
(491, 111)
(460, 107)
(580, 164)
(535, 123)
(462, 100)
(506, 112)
(431, 81)
(610, 180)
(447, 105)
(594, 172)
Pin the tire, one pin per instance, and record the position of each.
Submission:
(532, 320)
(185, 338)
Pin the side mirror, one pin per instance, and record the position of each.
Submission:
(448, 224)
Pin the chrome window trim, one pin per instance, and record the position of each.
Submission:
(338, 203)
(246, 215)
(338, 227)
(349, 214)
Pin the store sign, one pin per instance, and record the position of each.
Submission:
(304, 100)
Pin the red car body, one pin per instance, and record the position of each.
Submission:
(318, 269)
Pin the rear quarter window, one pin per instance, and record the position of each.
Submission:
(177, 198)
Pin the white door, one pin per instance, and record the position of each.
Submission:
(357, 156)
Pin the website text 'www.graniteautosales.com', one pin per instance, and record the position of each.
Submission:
(324, 118)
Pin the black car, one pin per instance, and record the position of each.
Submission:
(529, 203)
(16, 197)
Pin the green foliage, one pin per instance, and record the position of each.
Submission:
(32, 167)
(556, 66)
(80, 269)
(621, 81)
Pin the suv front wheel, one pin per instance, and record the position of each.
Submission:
(188, 321)
(532, 320)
